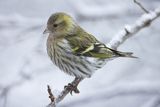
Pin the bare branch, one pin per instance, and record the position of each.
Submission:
(62, 95)
(140, 5)
(52, 98)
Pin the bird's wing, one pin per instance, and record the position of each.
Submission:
(97, 50)
(84, 44)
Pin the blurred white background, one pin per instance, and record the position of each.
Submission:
(25, 69)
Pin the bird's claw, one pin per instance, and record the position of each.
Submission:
(72, 88)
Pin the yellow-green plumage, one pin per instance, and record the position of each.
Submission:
(75, 51)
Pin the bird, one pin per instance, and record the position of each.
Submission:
(75, 51)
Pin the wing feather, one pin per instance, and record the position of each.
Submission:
(84, 44)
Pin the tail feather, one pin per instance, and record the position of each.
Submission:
(126, 54)
(123, 54)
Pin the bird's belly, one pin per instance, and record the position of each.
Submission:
(78, 66)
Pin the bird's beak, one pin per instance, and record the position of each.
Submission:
(46, 31)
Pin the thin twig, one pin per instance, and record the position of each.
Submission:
(141, 6)
(51, 96)
(62, 95)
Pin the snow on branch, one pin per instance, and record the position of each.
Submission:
(128, 31)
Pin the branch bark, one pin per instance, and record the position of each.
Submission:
(128, 31)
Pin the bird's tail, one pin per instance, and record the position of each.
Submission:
(123, 54)
(126, 54)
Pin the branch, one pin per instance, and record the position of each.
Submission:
(140, 5)
(61, 96)
(129, 30)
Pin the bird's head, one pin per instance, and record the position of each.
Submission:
(60, 24)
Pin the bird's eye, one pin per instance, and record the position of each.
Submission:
(55, 25)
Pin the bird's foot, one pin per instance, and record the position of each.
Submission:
(72, 88)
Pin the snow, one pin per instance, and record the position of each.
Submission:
(144, 21)
(26, 70)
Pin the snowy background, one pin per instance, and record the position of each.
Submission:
(25, 69)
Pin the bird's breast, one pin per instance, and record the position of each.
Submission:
(57, 49)
(61, 55)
